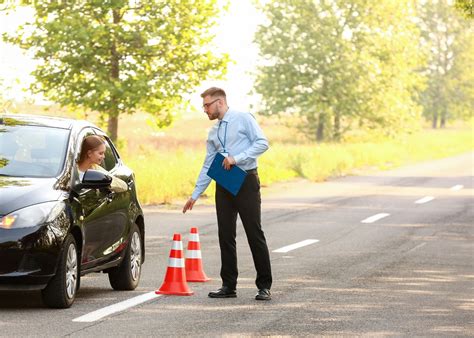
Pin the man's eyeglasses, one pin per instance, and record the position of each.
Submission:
(207, 105)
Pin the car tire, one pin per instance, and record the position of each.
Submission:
(62, 288)
(126, 276)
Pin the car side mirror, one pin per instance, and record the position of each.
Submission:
(94, 179)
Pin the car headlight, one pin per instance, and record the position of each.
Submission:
(32, 216)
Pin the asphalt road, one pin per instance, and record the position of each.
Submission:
(393, 255)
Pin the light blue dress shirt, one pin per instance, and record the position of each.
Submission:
(237, 134)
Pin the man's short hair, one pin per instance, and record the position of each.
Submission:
(213, 92)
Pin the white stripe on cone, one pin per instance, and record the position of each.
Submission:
(193, 254)
(176, 262)
(194, 237)
(177, 245)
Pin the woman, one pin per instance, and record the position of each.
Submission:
(92, 155)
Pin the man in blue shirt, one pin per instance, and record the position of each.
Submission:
(239, 138)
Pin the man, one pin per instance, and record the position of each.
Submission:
(239, 138)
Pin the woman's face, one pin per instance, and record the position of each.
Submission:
(97, 155)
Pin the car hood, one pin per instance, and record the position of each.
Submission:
(20, 192)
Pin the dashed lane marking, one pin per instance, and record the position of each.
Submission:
(425, 199)
(109, 310)
(417, 247)
(457, 187)
(296, 245)
(375, 218)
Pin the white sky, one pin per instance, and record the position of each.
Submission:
(234, 36)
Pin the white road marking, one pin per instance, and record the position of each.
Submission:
(457, 187)
(425, 199)
(296, 245)
(417, 247)
(375, 218)
(107, 311)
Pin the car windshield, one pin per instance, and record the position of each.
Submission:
(32, 151)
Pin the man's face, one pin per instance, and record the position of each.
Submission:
(211, 107)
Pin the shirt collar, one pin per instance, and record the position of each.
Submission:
(227, 115)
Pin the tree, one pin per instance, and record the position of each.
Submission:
(120, 56)
(448, 41)
(466, 7)
(338, 63)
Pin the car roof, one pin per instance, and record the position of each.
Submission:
(47, 121)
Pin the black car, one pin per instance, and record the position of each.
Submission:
(55, 228)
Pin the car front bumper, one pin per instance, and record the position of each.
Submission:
(28, 258)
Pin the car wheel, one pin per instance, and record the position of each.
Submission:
(62, 288)
(127, 275)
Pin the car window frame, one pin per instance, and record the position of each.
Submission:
(80, 138)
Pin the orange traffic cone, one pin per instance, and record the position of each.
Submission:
(175, 278)
(194, 270)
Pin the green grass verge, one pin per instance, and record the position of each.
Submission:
(166, 175)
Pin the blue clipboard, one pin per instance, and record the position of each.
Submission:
(231, 179)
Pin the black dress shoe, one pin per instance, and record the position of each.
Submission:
(263, 294)
(223, 292)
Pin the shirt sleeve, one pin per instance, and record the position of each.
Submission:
(204, 180)
(259, 143)
(118, 185)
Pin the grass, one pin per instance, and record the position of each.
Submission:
(165, 175)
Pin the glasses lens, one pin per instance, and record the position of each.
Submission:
(207, 105)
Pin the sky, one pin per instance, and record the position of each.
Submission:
(234, 35)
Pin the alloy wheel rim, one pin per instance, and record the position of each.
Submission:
(135, 256)
(71, 271)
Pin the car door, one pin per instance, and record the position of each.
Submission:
(105, 221)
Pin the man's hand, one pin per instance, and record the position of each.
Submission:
(228, 162)
(189, 205)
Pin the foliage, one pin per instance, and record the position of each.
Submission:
(120, 56)
(340, 64)
(466, 6)
(447, 39)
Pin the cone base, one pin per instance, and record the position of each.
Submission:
(198, 280)
(174, 293)
(178, 287)
(206, 279)
(194, 271)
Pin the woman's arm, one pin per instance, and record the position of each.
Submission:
(117, 184)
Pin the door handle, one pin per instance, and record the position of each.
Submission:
(109, 197)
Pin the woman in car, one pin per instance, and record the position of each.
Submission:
(92, 155)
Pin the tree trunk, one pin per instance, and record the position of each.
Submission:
(337, 127)
(112, 126)
(435, 120)
(443, 118)
(320, 130)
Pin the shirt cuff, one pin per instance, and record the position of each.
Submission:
(238, 158)
(195, 196)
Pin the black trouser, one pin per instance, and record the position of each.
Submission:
(247, 205)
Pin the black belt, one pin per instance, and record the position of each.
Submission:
(252, 171)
